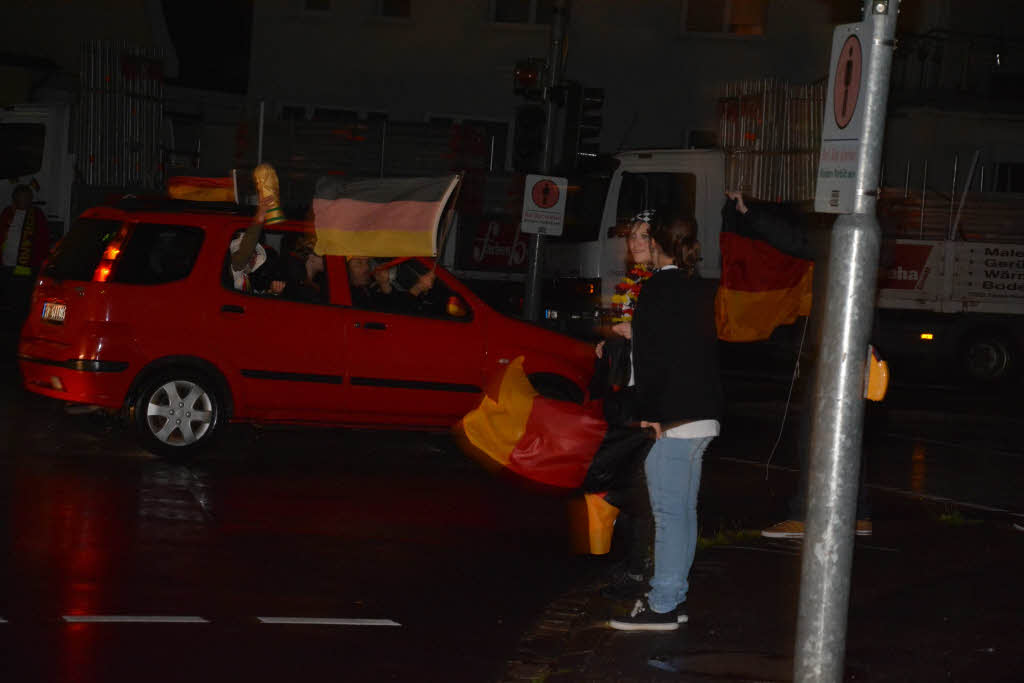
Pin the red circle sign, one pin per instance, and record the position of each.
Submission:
(545, 194)
(847, 82)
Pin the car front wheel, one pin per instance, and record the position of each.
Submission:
(177, 413)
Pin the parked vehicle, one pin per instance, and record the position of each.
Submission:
(136, 312)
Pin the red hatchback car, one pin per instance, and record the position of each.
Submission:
(139, 311)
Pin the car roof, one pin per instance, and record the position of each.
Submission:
(210, 215)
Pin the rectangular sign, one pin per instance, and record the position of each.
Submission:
(842, 134)
(544, 204)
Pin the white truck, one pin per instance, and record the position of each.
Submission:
(34, 140)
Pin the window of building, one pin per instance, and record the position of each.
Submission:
(394, 9)
(521, 11)
(735, 17)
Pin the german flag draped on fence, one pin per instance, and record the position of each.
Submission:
(386, 216)
(766, 279)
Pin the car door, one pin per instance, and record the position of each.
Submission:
(284, 354)
(414, 363)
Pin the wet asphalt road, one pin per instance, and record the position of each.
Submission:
(448, 565)
(292, 524)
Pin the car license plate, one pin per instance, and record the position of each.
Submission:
(53, 312)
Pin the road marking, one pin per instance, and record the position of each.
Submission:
(2, 620)
(124, 619)
(318, 621)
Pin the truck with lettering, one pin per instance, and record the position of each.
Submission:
(951, 279)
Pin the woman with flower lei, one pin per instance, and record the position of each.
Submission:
(627, 291)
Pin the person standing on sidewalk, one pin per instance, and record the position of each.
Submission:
(783, 229)
(24, 242)
(675, 356)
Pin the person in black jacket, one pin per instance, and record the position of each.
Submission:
(679, 395)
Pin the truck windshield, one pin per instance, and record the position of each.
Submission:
(642, 191)
(583, 208)
(22, 144)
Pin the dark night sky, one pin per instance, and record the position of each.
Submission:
(212, 44)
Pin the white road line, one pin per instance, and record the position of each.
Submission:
(125, 619)
(2, 620)
(318, 621)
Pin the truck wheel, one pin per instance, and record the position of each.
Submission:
(988, 356)
(177, 412)
(550, 385)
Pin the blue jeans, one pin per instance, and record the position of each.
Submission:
(673, 481)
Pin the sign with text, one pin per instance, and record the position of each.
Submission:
(544, 204)
(842, 134)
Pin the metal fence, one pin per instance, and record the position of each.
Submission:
(120, 115)
(770, 132)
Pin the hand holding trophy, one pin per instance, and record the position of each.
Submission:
(269, 191)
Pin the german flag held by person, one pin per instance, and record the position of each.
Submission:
(766, 270)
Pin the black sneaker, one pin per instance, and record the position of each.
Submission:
(643, 618)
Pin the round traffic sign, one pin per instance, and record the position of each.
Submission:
(847, 82)
(544, 194)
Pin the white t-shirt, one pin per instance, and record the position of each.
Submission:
(695, 430)
(13, 240)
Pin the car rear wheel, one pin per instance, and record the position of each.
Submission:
(177, 413)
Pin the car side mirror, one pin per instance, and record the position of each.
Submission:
(456, 307)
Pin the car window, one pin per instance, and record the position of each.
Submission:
(80, 251)
(156, 253)
(406, 286)
(283, 266)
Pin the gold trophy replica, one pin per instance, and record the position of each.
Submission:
(267, 187)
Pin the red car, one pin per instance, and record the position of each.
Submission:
(139, 311)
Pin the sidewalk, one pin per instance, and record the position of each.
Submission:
(937, 594)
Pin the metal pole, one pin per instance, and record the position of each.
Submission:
(837, 427)
(924, 194)
(259, 143)
(559, 21)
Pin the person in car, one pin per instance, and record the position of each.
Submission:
(300, 270)
(249, 256)
(374, 287)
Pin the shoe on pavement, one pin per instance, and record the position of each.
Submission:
(643, 618)
(790, 528)
(863, 527)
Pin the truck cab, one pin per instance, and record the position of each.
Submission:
(691, 181)
(34, 140)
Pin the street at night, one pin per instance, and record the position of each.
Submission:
(463, 576)
(512, 341)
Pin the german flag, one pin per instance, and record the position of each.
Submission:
(386, 216)
(564, 446)
(197, 189)
(762, 286)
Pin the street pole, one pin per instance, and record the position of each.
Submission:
(838, 419)
(559, 21)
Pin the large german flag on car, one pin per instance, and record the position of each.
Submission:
(394, 216)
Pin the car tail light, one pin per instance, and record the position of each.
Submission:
(110, 256)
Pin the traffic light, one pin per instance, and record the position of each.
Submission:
(528, 138)
(528, 78)
(583, 119)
